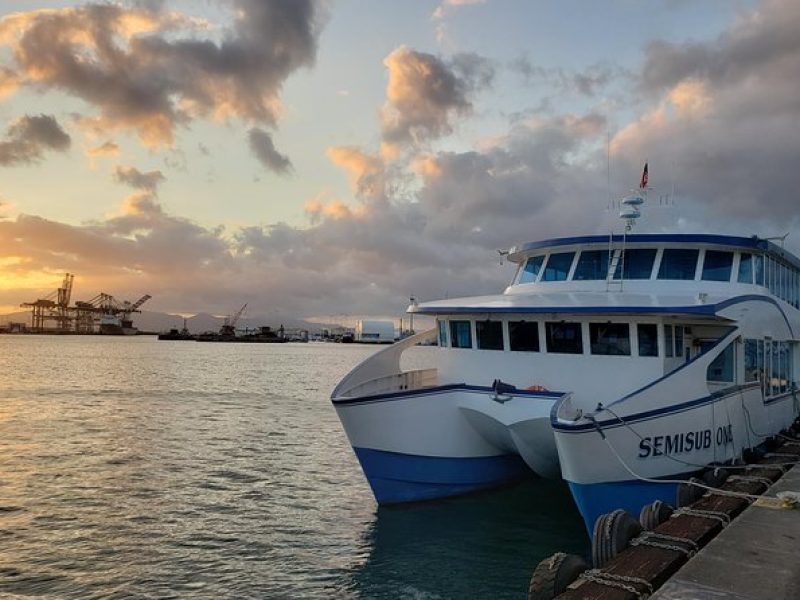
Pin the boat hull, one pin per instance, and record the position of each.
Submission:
(639, 458)
(396, 478)
(448, 441)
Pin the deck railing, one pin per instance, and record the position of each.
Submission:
(397, 382)
(381, 372)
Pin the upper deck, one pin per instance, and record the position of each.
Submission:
(647, 269)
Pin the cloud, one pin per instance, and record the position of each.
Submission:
(589, 82)
(425, 94)
(135, 178)
(449, 5)
(28, 138)
(726, 114)
(318, 209)
(108, 148)
(264, 150)
(427, 222)
(151, 70)
(367, 173)
(439, 240)
(9, 82)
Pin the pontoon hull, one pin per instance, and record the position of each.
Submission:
(620, 468)
(442, 442)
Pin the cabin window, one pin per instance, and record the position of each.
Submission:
(751, 363)
(678, 263)
(557, 267)
(648, 339)
(721, 368)
(460, 334)
(564, 338)
(759, 270)
(531, 271)
(637, 263)
(489, 335)
(592, 264)
(784, 367)
(442, 333)
(771, 275)
(717, 266)
(610, 338)
(678, 341)
(668, 347)
(523, 336)
(745, 268)
(775, 377)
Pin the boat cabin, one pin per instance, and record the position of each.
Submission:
(634, 309)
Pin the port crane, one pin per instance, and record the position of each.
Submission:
(53, 307)
(229, 324)
(84, 315)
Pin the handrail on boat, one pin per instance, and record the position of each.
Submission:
(383, 363)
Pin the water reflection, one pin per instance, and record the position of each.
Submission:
(145, 469)
(485, 545)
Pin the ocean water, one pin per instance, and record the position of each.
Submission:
(133, 468)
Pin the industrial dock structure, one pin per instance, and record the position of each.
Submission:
(103, 314)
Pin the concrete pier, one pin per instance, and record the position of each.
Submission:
(756, 557)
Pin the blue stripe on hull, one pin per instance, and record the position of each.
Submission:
(596, 499)
(396, 477)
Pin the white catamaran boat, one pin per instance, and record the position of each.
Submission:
(623, 363)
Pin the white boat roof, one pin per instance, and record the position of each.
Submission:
(518, 253)
(576, 302)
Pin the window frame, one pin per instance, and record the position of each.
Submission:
(546, 266)
(484, 322)
(549, 325)
(534, 327)
(537, 274)
(714, 253)
(580, 258)
(639, 340)
(670, 252)
(620, 265)
(595, 343)
(454, 336)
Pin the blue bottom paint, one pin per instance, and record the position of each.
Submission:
(396, 477)
(596, 499)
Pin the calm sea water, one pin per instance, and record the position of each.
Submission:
(132, 468)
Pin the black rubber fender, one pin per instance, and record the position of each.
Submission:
(688, 494)
(552, 575)
(715, 477)
(611, 534)
(654, 514)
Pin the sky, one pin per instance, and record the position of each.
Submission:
(319, 158)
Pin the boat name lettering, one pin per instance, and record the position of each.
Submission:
(681, 443)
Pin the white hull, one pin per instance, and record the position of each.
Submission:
(449, 441)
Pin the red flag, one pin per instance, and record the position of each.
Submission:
(643, 182)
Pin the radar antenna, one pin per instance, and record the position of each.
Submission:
(631, 205)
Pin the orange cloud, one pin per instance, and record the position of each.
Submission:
(317, 209)
(426, 167)
(424, 94)
(151, 70)
(367, 173)
(690, 98)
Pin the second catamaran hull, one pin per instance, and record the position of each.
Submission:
(629, 460)
(449, 440)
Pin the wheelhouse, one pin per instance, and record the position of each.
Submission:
(639, 307)
(642, 261)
